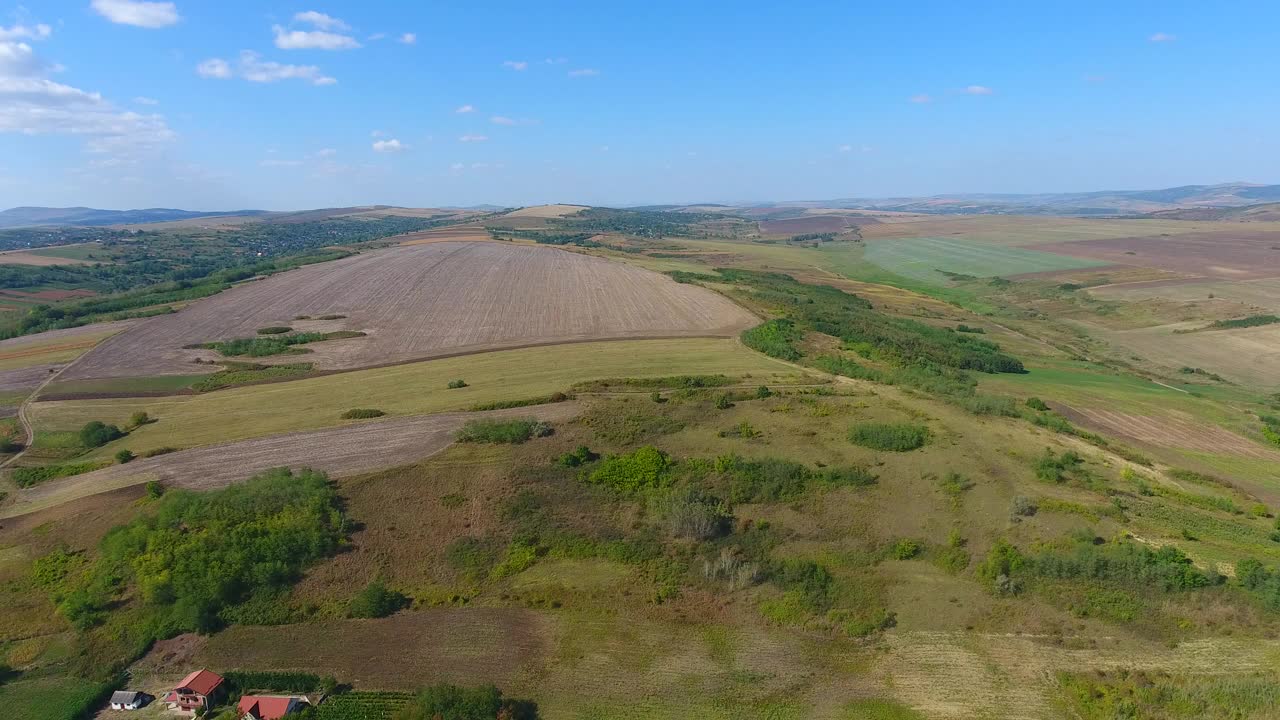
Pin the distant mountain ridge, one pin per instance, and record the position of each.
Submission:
(45, 216)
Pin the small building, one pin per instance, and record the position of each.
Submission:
(200, 689)
(128, 699)
(268, 707)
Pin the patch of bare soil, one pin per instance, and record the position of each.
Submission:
(424, 301)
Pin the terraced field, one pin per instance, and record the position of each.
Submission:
(426, 301)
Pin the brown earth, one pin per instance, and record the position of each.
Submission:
(27, 378)
(1238, 254)
(805, 225)
(347, 450)
(58, 340)
(426, 301)
(22, 257)
(1184, 433)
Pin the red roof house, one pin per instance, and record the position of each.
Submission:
(200, 689)
(263, 707)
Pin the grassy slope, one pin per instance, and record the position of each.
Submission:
(411, 389)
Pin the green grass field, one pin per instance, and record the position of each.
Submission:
(413, 389)
(922, 258)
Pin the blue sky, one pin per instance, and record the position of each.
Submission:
(278, 105)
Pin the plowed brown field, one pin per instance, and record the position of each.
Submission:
(427, 301)
(346, 450)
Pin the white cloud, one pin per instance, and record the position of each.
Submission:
(409, 38)
(312, 40)
(921, 99)
(556, 61)
(456, 166)
(32, 104)
(978, 90)
(139, 14)
(1163, 37)
(253, 68)
(146, 101)
(517, 65)
(473, 138)
(377, 36)
(499, 120)
(272, 162)
(376, 133)
(389, 146)
(325, 152)
(584, 72)
(320, 20)
(214, 68)
(21, 32)
(845, 148)
(465, 109)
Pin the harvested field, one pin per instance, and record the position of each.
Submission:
(409, 389)
(922, 258)
(1262, 294)
(809, 224)
(346, 450)
(1231, 254)
(1024, 230)
(453, 233)
(1245, 355)
(24, 379)
(1178, 431)
(546, 211)
(24, 257)
(56, 346)
(426, 301)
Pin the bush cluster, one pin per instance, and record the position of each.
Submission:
(509, 432)
(893, 437)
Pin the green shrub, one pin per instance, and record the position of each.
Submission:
(25, 477)
(1056, 468)
(554, 397)
(274, 330)
(473, 558)
(449, 702)
(362, 414)
(245, 681)
(693, 514)
(138, 419)
(376, 601)
(894, 437)
(96, 433)
(248, 373)
(968, 329)
(509, 432)
(657, 397)
(457, 384)
(331, 317)
(723, 402)
(154, 489)
(123, 456)
(905, 549)
(196, 557)
(1036, 403)
(577, 457)
(775, 338)
(642, 469)
(159, 451)
(763, 392)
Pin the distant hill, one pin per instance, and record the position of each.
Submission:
(1265, 212)
(1103, 202)
(44, 216)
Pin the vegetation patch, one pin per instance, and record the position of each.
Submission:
(670, 382)
(274, 330)
(362, 414)
(1104, 695)
(275, 344)
(891, 437)
(509, 432)
(236, 374)
(523, 402)
(642, 469)
(26, 477)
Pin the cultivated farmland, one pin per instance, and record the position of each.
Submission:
(922, 258)
(380, 443)
(427, 301)
(1233, 254)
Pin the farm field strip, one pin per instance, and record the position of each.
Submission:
(409, 389)
(346, 450)
(1228, 254)
(415, 302)
(1023, 230)
(1172, 432)
(922, 257)
(1247, 355)
(56, 346)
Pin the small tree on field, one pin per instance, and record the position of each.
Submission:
(139, 419)
(97, 433)
(124, 456)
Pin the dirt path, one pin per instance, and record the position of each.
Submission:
(24, 419)
(346, 450)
